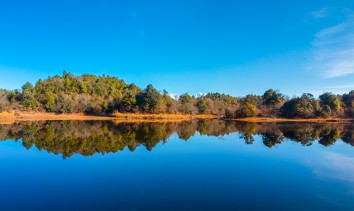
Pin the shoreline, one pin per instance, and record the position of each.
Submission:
(280, 119)
(10, 117)
(6, 117)
(136, 116)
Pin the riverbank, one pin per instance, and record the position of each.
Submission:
(37, 116)
(276, 119)
(162, 116)
(34, 116)
(10, 117)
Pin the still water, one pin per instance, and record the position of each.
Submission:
(192, 165)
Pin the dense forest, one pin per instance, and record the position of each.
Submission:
(102, 95)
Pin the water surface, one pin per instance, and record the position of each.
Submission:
(192, 165)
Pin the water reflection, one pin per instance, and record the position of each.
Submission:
(90, 137)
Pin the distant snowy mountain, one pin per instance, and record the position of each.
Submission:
(200, 94)
(176, 96)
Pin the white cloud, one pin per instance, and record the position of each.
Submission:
(340, 87)
(333, 49)
(322, 13)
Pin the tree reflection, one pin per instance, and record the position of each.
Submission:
(247, 132)
(89, 137)
(330, 136)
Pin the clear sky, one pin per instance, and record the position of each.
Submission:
(234, 47)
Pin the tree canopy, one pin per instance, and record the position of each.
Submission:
(105, 94)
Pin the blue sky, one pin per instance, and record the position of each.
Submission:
(233, 47)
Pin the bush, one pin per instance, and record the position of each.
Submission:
(246, 110)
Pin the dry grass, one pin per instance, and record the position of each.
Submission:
(35, 116)
(206, 116)
(261, 119)
(7, 118)
(161, 116)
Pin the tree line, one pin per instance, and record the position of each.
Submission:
(92, 94)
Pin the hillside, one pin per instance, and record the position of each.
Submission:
(106, 95)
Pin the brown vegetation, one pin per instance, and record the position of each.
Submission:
(105, 96)
(263, 119)
(34, 116)
(162, 116)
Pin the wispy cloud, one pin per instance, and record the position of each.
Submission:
(335, 89)
(333, 49)
(321, 13)
(349, 86)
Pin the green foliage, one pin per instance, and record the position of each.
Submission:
(326, 111)
(348, 100)
(203, 105)
(332, 101)
(28, 99)
(187, 104)
(49, 101)
(246, 110)
(271, 97)
(128, 102)
(254, 100)
(218, 103)
(305, 106)
(151, 101)
(104, 94)
(14, 96)
(228, 114)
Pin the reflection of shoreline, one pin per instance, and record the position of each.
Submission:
(270, 119)
(7, 122)
(90, 137)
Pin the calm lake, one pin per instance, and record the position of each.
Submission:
(192, 165)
